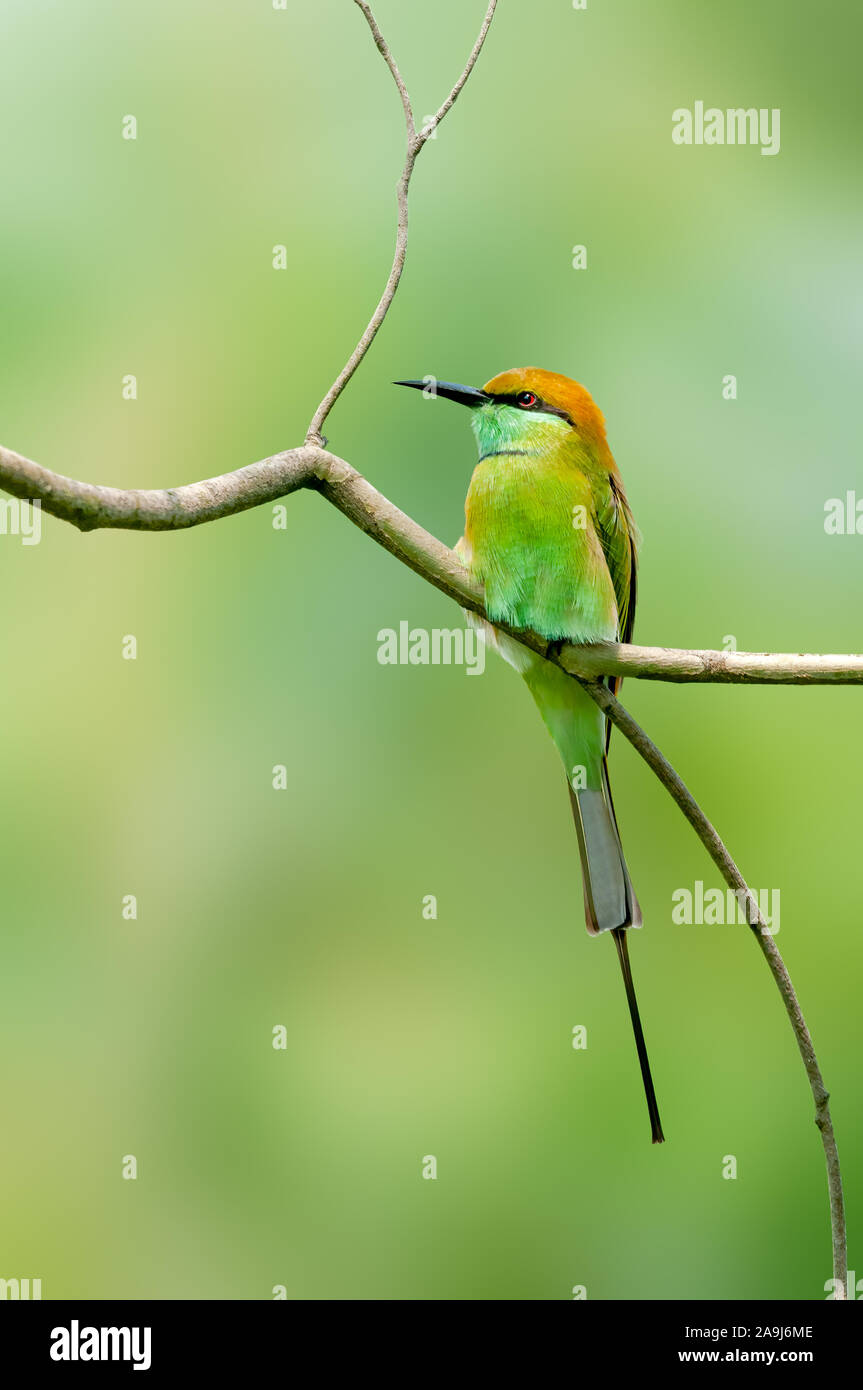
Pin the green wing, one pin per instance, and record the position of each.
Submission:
(619, 536)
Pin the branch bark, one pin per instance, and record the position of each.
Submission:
(91, 507)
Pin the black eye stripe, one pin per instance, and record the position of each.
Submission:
(540, 407)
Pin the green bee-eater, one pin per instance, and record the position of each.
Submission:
(549, 534)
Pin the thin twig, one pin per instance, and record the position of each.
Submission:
(435, 121)
(415, 141)
(712, 842)
(384, 50)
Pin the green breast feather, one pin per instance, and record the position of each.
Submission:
(534, 542)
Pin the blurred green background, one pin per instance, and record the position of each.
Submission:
(256, 647)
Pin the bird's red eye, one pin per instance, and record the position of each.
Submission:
(526, 398)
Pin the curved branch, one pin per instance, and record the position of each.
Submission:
(91, 507)
(712, 842)
(415, 142)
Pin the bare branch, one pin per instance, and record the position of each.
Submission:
(714, 667)
(395, 531)
(415, 143)
(314, 434)
(90, 507)
(384, 50)
(435, 121)
(735, 880)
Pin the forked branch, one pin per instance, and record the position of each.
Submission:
(415, 141)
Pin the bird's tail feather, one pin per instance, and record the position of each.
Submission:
(610, 904)
(578, 728)
(609, 897)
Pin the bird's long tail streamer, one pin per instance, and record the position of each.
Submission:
(620, 942)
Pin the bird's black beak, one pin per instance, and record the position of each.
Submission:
(450, 390)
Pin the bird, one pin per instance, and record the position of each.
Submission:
(550, 536)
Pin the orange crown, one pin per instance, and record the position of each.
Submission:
(559, 391)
